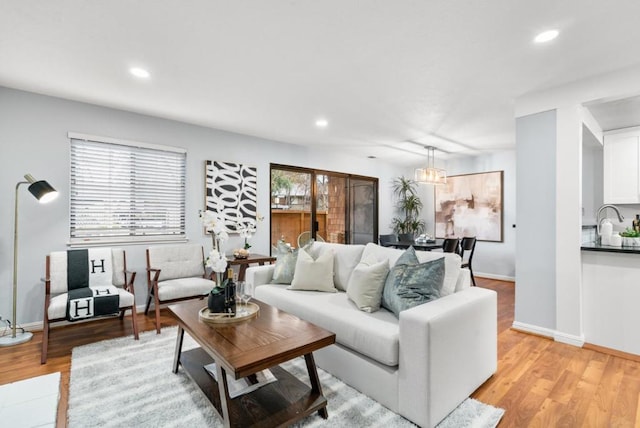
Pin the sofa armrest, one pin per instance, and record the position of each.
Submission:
(259, 275)
(448, 348)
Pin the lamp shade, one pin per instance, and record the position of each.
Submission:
(430, 174)
(43, 191)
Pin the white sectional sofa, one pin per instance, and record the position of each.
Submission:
(421, 365)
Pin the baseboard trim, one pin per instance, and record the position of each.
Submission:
(568, 339)
(533, 329)
(38, 325)
(494, 276)
(614, 352)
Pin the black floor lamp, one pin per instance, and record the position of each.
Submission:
(44, 193)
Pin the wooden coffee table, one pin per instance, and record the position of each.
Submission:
(243, 349)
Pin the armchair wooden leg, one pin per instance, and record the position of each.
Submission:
(146, 309)
(157, 309)
(45, 340)
(134, 322)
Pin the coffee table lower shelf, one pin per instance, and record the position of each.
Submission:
(279, 403)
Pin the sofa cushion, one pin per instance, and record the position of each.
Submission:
(313, 274)
(177, 261)
(411, 283)
(366, 284)
(112, 261)
(452, 262)
(58, 304)
(183, 287)
(346, 259)
(372, 334)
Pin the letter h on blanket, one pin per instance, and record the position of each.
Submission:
(87, 283)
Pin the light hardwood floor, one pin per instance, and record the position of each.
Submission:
(540, 383)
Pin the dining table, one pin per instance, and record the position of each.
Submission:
(423, 246)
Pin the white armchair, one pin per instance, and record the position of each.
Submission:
(101, 267)
(174, 273)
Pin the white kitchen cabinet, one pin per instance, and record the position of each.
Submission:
(621, 158)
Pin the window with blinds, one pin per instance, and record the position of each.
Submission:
(125, 192)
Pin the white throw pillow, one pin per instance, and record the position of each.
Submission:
(313, 274)
(345, 258)
(366, 284)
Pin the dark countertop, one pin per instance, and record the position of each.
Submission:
(592, 246)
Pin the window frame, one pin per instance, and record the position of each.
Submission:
(97, 240)
(313, 172)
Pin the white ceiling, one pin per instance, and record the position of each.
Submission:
(381, 72)
(617, 114)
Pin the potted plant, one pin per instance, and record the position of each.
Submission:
(219, 295)
(408, 205)
(630, 237)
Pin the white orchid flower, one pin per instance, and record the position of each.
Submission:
(214, 254)
(222, 236)
(210, 220)
(219, 265)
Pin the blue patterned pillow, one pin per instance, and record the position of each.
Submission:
(411, 283)
(285, 264)
(286, 259)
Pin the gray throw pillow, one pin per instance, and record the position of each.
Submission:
(366, 284)
(411, 283)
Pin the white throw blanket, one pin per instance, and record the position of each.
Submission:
(89, 276)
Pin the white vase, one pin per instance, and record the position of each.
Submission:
(615, 240)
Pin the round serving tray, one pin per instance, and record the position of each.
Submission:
(219, 318)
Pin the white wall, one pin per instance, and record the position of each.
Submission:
(592, 177)
(535, 247)
(568, 102)
(491, 259)
(495, 259)
(33, 139)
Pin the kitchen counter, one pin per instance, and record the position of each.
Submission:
(610, 296)
(592, 246)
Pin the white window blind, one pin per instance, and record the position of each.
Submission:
(124, 192)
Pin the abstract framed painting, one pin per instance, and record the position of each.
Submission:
(231, 192)
(470, 205)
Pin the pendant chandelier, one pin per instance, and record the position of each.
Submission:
(430, 174)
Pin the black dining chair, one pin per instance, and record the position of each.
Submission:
(450, 245)
(387, 240)
(405, 237)
(467, 248)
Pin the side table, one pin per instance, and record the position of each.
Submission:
(244, 263)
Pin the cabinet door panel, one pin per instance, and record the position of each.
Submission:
(621, 178)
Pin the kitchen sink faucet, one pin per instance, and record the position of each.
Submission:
(599, 220)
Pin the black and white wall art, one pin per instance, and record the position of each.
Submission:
(231, 192)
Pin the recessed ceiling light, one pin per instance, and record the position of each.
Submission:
(322, 123)
(371, 157)
(546, 36)
(139, 72)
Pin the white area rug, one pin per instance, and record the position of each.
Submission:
(122, 382)
(31, 402)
